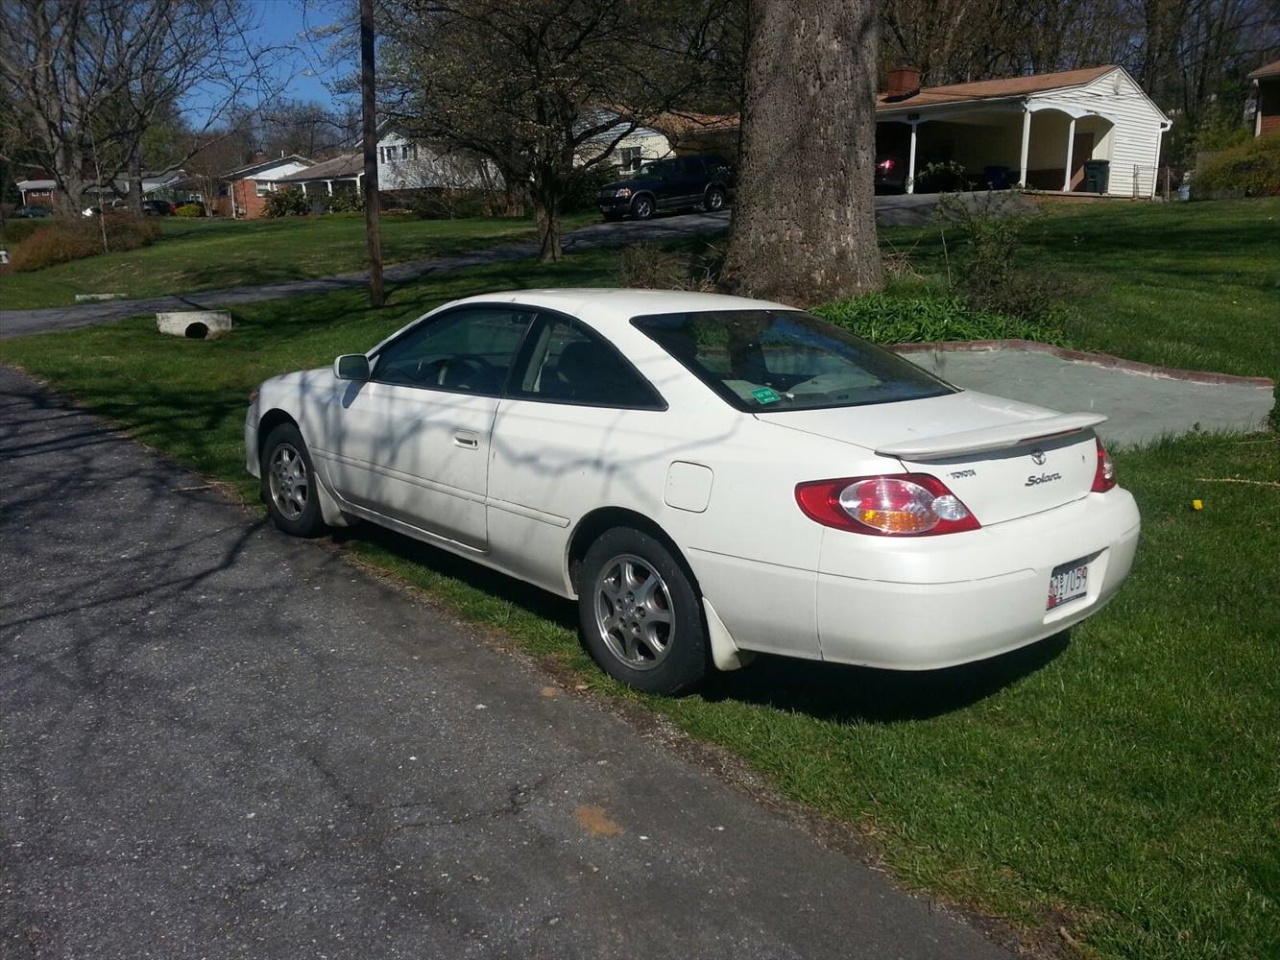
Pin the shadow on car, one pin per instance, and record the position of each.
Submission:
(827, 691)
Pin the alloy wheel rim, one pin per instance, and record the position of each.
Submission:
(634, 613)
(289, 481)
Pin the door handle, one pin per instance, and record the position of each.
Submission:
(467, 440)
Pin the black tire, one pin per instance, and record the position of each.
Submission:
(640, 615)
(714, 200)
(288, 483)
(643, 207)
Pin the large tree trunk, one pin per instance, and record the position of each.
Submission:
(804, 222)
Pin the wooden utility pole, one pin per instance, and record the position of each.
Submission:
(368, 91)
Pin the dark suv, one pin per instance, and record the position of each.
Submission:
(675, 184)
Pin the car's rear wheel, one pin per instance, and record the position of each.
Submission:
(640, 614)
(288, 483)
(642, 207)
(714, 200)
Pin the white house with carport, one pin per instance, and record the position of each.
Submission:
(1038, 131)
(340, 174)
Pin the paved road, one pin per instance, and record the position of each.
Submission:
(219, 742)
(18, 323)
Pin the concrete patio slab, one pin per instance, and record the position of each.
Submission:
(1143, 403)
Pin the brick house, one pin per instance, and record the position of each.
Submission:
(1266, 83)
(242, 194)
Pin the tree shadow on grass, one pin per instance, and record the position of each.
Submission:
(845, 694)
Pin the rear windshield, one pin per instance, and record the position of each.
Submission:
(778, 360)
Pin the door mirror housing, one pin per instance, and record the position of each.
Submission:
(351, 366)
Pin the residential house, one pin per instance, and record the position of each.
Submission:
(1039, 131)
(637, 145)
(37, 191)
(341, 174)
(1266, 85)
(243, 193)
(689, 132)
(673, 132)
(407, 163)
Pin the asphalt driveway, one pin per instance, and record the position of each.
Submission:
(216, 741)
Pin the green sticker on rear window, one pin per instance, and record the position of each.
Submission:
(766, 395)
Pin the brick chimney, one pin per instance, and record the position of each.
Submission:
(904, 80)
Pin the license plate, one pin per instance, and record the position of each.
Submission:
(1068, 582)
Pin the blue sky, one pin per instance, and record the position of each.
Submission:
(285, 22)
(303, 67)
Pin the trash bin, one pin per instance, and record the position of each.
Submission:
(1097, 173)
(997, 178)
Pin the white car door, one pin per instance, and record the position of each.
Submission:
(580, 428)
(412, 443)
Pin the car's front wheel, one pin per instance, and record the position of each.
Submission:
(640, 614)
(643, 208)
(289, 484)
(714, 200)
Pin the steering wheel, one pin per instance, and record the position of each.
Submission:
(467, 370)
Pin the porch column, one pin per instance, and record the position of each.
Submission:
(329, 184)
(1071, 143)
(1026, 146)
(304, 188)
(911, 160)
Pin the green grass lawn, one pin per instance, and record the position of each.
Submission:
(214, 253)
(1115, 794)
(1194, 286)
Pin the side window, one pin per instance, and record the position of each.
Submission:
(469, 350)
(570, 364)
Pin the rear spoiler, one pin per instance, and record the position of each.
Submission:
(991, 438)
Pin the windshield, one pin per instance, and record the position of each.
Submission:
(657, 168)
(776, 360)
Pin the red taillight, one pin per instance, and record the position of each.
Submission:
(902, 505)
(1104, 478)
(886, 165)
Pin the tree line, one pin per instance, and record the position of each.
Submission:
(544, 90)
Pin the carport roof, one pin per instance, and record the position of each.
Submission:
(1270, 70)
(993, 89)
(345, 166)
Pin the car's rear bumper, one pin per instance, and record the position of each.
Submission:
(927, 602)
(940, 601)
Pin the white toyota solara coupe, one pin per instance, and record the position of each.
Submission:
(709, 476)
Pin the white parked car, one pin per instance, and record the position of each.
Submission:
(710, 477)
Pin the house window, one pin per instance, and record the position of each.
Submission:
(629, 158)
(263, 187)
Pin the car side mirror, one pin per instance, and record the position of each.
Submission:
(351, 366)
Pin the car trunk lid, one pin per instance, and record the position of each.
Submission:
(1002, 458)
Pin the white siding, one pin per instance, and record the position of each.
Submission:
(651, 144)
(404, 164)
(1133, 143)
